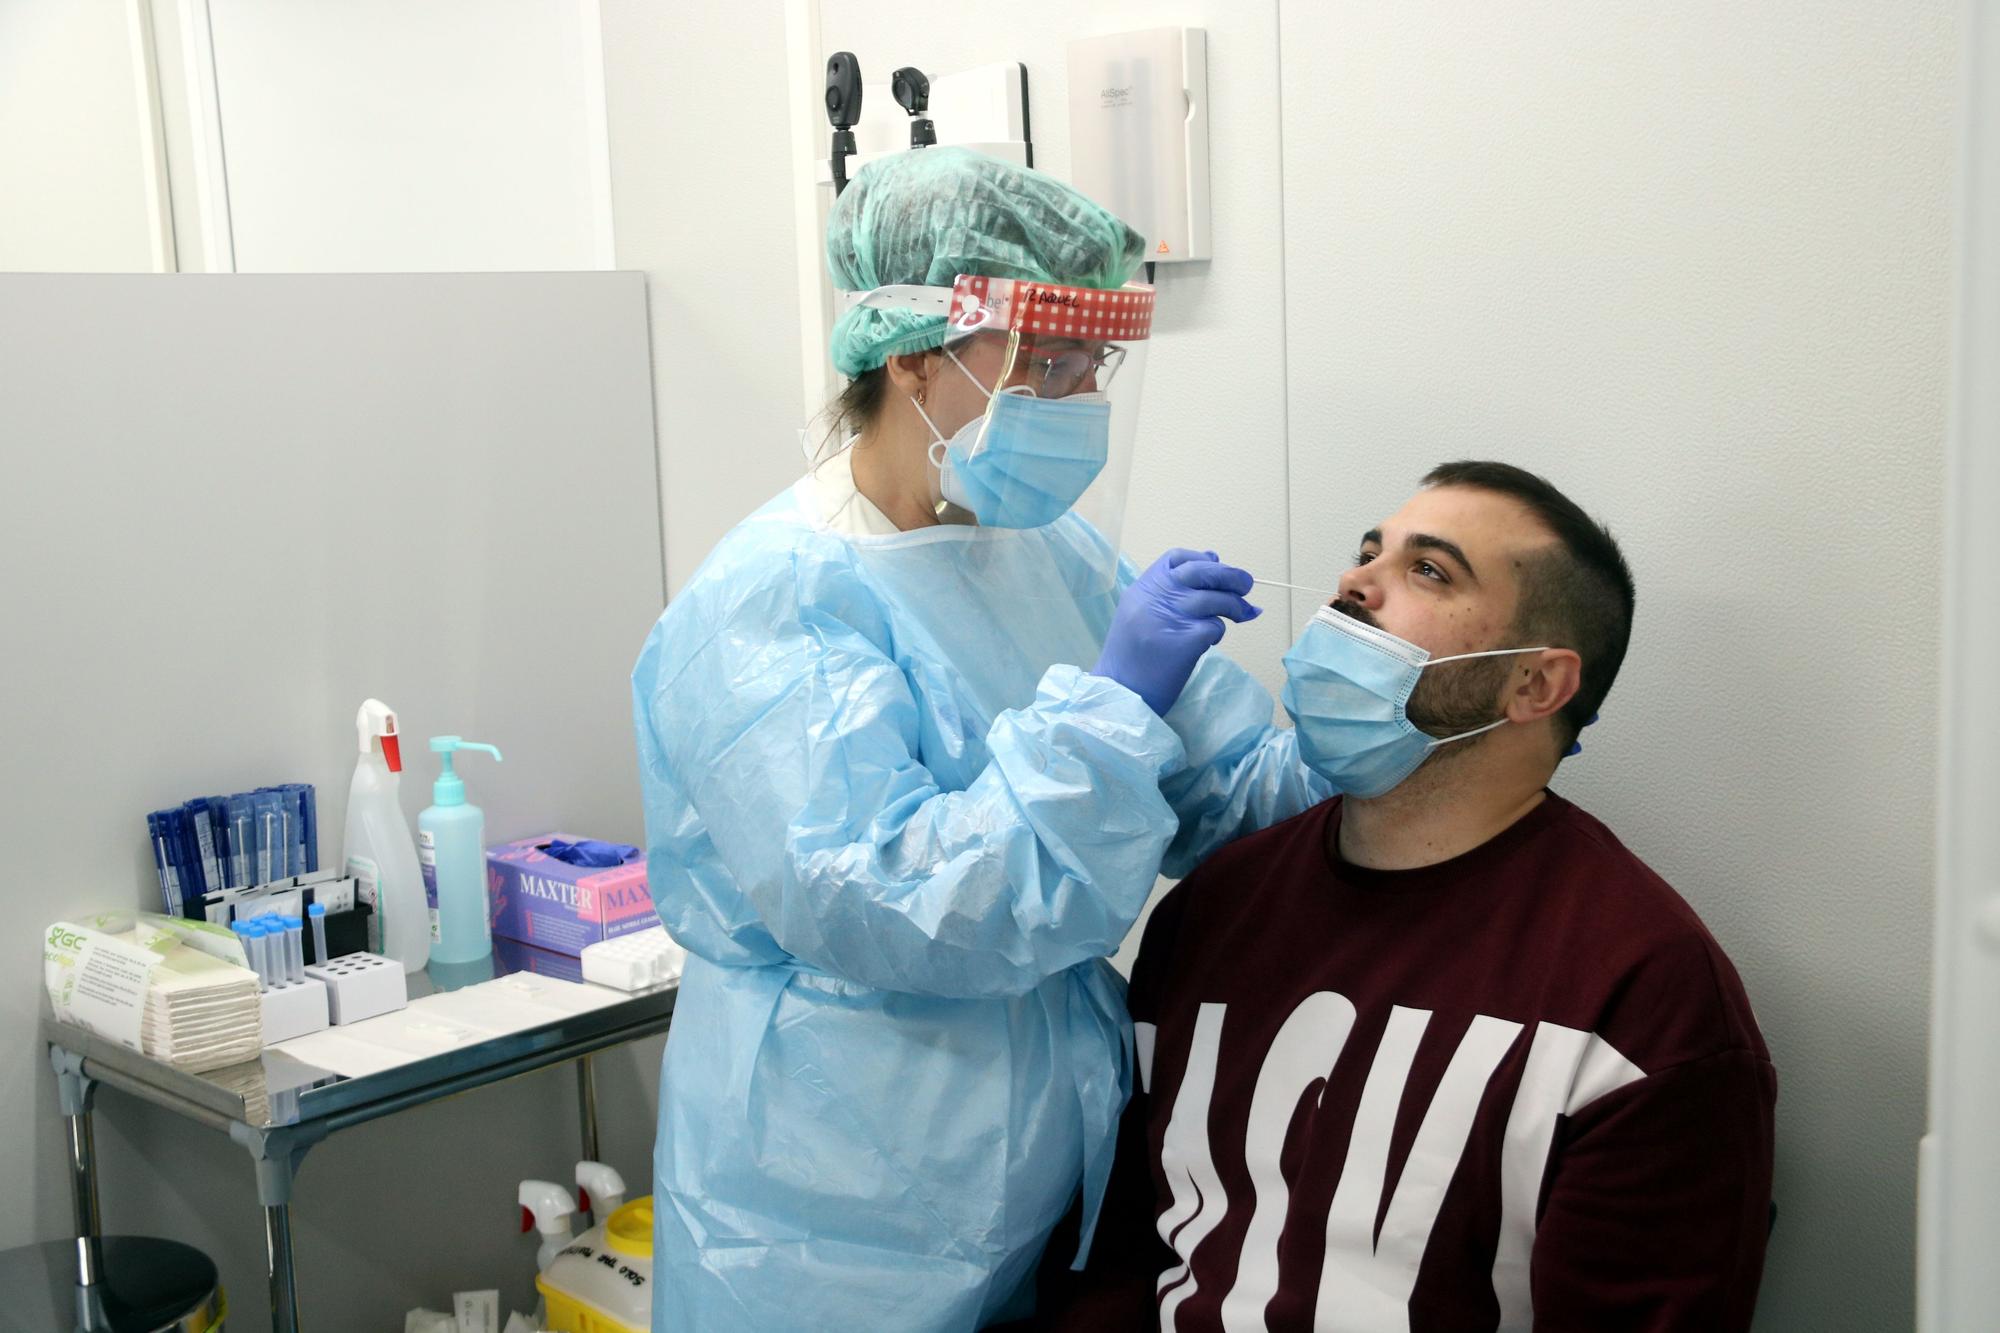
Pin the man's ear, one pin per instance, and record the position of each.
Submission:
(1543, 684)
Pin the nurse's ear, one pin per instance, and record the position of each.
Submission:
(912, 374)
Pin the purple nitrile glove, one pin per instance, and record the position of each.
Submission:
(1167, 619)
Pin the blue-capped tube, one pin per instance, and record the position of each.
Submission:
(295, 949)
(274, 948)
(261, 932)
(318, 914)
(253, 950)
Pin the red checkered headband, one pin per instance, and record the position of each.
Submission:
(1039, 316)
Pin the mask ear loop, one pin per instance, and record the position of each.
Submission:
(936, 453)
(1006, 372)
(992, 396)
(1461, 657)
(967, 373)
(1491, 652)
(937, 436)
(1437, 741)
(940, 447)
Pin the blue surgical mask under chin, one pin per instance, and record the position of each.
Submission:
(1025, 461)
(1346, 686)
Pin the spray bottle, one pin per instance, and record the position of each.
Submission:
(546, 1207)
(600, 1190)
(381, 855)
(451, 849)
(601, 1279)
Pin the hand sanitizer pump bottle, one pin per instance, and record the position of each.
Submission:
(451, 848)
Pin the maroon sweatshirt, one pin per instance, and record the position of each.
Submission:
(1519, 1089)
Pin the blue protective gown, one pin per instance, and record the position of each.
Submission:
(899, 830)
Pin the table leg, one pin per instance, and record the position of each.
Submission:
(284, 1277)
(586, 1106)
(83, 1199)
(74, 1091)
(277, 1154)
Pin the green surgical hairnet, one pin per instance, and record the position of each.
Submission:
(927, 216)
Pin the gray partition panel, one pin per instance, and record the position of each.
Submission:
(234, 507)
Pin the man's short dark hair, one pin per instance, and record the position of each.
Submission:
(1576, 595)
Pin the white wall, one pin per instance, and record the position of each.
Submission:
(1692, 261)
(1958, 1230)
(701, 195)
(373, 136)
(75, 139)
(291, 136)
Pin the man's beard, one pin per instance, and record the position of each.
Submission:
(1452, 698)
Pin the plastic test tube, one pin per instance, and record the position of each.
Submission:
(245, 936)
(271, 935)
(318, 914)
(295, 949)
(260, 932)
(262, 944)
(274, 941)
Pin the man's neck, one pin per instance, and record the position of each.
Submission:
(1443, 810)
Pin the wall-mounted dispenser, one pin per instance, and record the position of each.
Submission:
(1138, 124)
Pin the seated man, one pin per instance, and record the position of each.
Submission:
(1440, 1054)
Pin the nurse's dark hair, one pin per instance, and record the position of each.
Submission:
(1577, 594)
(856, 406)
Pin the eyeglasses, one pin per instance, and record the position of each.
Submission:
(1056, 370)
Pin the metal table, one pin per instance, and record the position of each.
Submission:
(278, 1107)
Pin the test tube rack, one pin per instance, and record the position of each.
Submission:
(361, 985)
(634, 962)
(292, 1009)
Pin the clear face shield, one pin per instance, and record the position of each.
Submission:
(1047, 380)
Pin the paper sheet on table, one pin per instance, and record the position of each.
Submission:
(447, 1021)
(517, 1002)
(337, 1053)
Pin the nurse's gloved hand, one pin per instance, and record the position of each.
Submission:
(1167, 619)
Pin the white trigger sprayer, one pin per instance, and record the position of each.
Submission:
(599, 1189)
(546, 1207)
